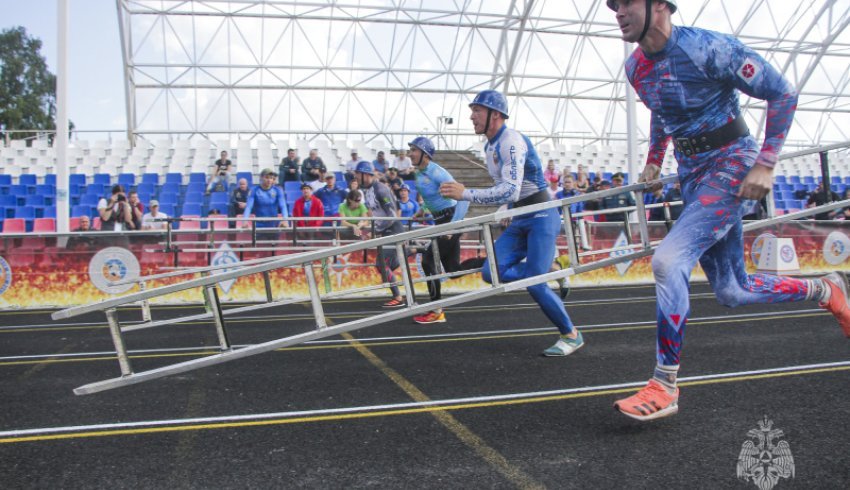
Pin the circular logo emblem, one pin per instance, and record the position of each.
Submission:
(786, 253)
(836, 248)
(5, 275)
(111, 265)
(748, 70)
(758, 245)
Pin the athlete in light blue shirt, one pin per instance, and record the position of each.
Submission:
(527, 246)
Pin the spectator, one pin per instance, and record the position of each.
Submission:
(330, 195)
(582, 180)
(406, 207)
(313, 167)
(820, 197)
(553, 188)
(569, 190)
(350, 166)
(290, 170)
(393, 180)
(403, 164)
(220, 172)
(150, 220)
(551, 172)
(596, 204)
(308, 205)
(266, 201)
(353, 207)
(657, 197)
(621, 200)
(354, 185)
(85, 224)
(566, 173)
(380, 165)
(238, 201)
(137, 210)
(115, 214)
(674, 194)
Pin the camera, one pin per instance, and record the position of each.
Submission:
(121, 198)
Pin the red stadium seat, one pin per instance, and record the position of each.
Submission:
(14, 225)
(44, 225)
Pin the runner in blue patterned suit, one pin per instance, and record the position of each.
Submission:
(527, 246)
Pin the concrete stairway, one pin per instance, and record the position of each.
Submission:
(474, 175)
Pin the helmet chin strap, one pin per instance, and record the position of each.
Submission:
(646, 22)
(487, 124)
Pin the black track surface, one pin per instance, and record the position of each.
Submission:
(564, 442)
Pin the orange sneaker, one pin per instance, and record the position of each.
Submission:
(837, 304)
(394, 303)
(651, 402)
(431, 317)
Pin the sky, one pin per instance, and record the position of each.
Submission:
(96, 82)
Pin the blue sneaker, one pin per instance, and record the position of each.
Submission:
(565, 346)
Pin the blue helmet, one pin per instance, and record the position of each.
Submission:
(365, 167)
(424, 144)
(491, 99)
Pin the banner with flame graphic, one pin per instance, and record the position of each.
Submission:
(72, 270)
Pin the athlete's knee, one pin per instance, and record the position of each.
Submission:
(665, 265)
(728, 296)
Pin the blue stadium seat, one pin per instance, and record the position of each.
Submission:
(50, 179)
(779, 179)
(150, 178)
(794, 179)
(194, 197)
(170, 188)
(46, 189)
(196, 187)
(292, 189)
(221, 207)
(78, 179)
(127, 180)
(25, 212)
(146, 188)
(34, 200)
(174, 178)
(167, 208)
(191, 209)
(5, 180)
(28, 179)
(780, 204)
(105, 179)
(90, 199)
(8, 200)
(219, 197)
(145, 198)
(245, 175)
(198, 177)
(808, 179)
(82, 210)
(168, 198)
(50, 212)
(98, 189)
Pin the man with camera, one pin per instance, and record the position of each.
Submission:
(115, 212)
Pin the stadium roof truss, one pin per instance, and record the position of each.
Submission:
(386, 70)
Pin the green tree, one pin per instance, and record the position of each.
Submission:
(27, 87)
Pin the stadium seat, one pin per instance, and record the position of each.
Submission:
(174, 178)
(219, 197)
(150, 178)
(90, 199)
(49, 212)
(44, 225)
(50, 179)
(104, 179)
(779, 179)
(221, 207)
(5, 179)
(28, 179)
(191, 209)
(82, 210)
(245, 175)
(194, 197)
(127, 180)
(146, 188)
(34, 200)
(198, 177)
(167, 198)
(14, 225)
(74, 223)
(189, 225)
(167, 208)
(47, 190)
(196, 187)
(78, 179)
(98, 189)
(169, 188)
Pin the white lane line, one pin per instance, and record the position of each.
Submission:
(411, 337)
(397, 406)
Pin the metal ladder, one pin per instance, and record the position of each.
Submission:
(305, 261)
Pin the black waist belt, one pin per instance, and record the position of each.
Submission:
(712, 140)
(443, 216)
(537, 198)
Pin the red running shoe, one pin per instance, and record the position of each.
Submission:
(431, 317)
(837, 304)
(651, 402)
